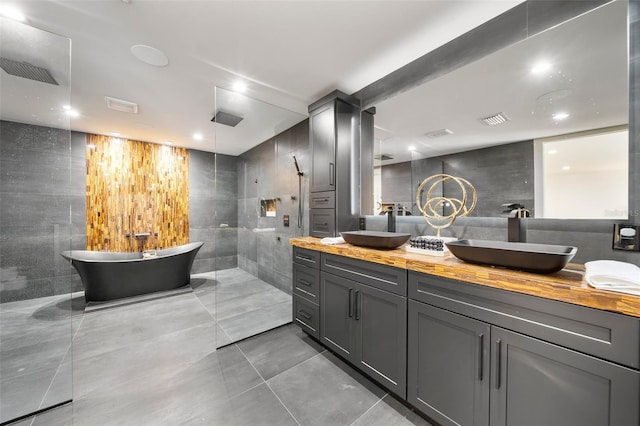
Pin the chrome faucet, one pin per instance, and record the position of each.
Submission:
(515, 231)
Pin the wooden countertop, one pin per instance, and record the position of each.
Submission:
(567, 285)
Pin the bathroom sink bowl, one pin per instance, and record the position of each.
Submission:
(375, 239)
(538, 258)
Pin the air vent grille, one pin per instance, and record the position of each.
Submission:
(120, 105)
(495, 119)
(439, 133)
(27, 70)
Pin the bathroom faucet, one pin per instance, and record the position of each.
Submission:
(515, 231)
(391, 219)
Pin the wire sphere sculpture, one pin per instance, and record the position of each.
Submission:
(433, 207)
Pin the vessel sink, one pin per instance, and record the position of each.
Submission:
(375, 239)
(538, 258)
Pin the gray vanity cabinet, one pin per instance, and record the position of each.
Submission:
(448, 366)
(323, 149)
(539, 383)
(367, 326)
(465, 370)
(306, 290)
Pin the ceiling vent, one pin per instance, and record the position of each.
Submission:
(439, 133)
(27, 70)
(226, 119)
(384, 157)
(120, 105)
(495, 119)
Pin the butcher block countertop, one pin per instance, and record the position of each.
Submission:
(567, 285)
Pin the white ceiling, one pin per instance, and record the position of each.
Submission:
(290, 53)
(588, 80)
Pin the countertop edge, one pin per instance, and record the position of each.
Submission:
(567, 286)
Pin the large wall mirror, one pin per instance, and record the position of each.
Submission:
(542, 123)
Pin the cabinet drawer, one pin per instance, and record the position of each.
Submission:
(322, 200)
(306, 282)
(388, 278)
(306, 315)
(310, 258)
(606, 335)
(322, 223)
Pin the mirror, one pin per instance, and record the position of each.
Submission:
(489, 121)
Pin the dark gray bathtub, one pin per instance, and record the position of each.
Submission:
(108, 275)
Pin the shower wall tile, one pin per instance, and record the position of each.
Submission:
(213, 202)
(42, 207)
(271, 163)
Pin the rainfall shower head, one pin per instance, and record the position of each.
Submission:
(27, 70)
(226, 119)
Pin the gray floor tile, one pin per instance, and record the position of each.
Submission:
(248, 324)
(260, 406)
(232, 290)
(390, 412)
(59, 416)
(325, 391)
(251, 302)
(22, 394)
(279, 350)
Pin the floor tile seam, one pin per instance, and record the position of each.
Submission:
(215, 320)
(297, 365)
(44, 397)
(268, 386)
(370, 408)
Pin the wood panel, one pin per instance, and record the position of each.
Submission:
(132, 188)
(567, 285)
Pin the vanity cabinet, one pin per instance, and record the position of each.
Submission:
(334, 124)
(464, 370)
(366, 326)
(306, 290)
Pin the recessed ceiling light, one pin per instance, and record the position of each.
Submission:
(150, 55)
(197, 136)
(72, 113)
(541, 67)
(565, 168)
(438, 133)
(239, 86)
(12, 13)
(412, 148)
(66, 107)
(560, 116)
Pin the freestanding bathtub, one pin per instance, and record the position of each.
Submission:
(108, 275)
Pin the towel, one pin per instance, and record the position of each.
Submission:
(613, 275)
(329, 240)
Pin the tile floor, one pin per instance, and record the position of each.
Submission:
(156, 363)
(242, 304)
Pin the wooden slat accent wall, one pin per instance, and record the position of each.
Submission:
(135, 187)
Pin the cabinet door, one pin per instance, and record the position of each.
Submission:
(381, 336)
(337, 313)
(538, 383)
(448, 371)
(323, 147)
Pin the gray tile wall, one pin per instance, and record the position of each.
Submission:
(268, 172)
(500, 174)
(213, 210)
(42, 209)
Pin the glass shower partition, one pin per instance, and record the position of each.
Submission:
(39, 161)
(259, 197)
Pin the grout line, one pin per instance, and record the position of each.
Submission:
(268, 386)
(300, 363)
(370, 408)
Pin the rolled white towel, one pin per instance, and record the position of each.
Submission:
(332, 241)
(613, 275)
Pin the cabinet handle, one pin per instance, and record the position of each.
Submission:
(308, 259)
(321, 200)
(358, 301)
(304, 314)
(331, 174)
(480, 344)
(350, 302)
(305, 282)
(498, 362)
